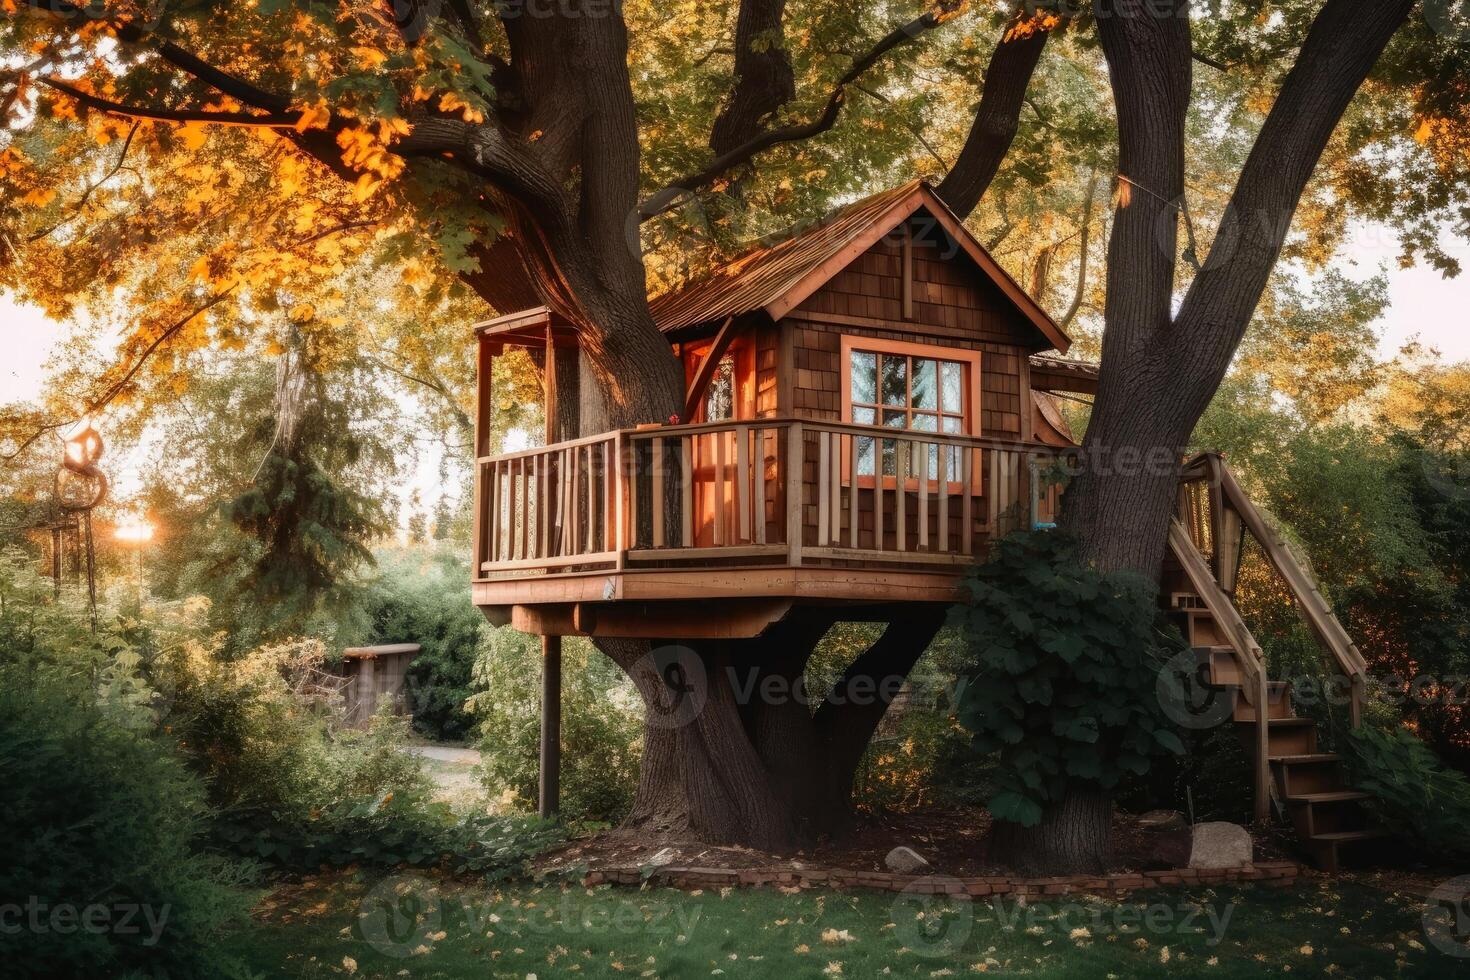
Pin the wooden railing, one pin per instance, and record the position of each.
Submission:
(764, 491)
(549, 508)
(1215, 513)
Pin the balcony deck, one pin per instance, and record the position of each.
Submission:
(760, 515)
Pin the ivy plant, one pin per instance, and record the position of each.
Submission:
(1061, 683)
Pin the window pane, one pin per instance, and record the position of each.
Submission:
(926, 423)
(864, 368)
(895, 380)
(865, 456)
(934, 461)
(895, 420)
(890, 457)
(865, 416)
(923, 392)
(719, 400)
(952, 375)
(953, 423)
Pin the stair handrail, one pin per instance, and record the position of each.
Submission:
(1248, 652)
(1301, 582)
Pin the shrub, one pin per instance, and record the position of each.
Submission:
(426, 600)
(600, 726)
(101, 817)
(1061, 685)
(1413, 793)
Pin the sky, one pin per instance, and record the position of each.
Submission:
(1424, 305)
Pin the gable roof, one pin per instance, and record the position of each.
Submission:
(779, 276)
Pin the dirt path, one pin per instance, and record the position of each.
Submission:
(452, 769)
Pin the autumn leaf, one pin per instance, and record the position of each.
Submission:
(314, 117)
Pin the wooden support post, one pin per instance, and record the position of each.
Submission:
(549, 374)
(549, 797)
(908, 273)
(793, 493)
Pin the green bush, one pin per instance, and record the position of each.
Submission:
(99, 816)
(1413, 793)
(425, 599)
(601, 727)
(1061, 684)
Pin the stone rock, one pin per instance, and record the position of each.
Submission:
(1220, 845)
(905, 861)
(1162, 820)
(663, 857)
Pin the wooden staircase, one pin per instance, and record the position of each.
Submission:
(1293, 779)
(1307, 786)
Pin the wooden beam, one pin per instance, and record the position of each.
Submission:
(548, 375)
(707, 368)
(549, 796)
(908, 272)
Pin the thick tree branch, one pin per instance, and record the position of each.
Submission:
(1344, 43)
(1082, 250)
(274, 120)
(113, 390)
(851, 712)
(998, 117)
(763, 78)
(663, 200)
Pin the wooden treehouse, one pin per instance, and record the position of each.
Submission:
(870, 403)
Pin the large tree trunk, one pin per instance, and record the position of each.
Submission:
(733, 753)
(1160, 368)
(1074, 837)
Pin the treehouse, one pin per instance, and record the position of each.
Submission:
(870, 403)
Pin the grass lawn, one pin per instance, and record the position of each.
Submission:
(407, 926)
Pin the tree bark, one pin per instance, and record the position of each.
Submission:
(733, 753)
(1075, 836)
(1159, 369)
(997, 119)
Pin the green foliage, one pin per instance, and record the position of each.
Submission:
(254, 736)
(601, 726)
(1381, 510)
(424, 598)
(385, 829)
(1414, 794)
(305, 528)
(100, 816)
(1062, 681)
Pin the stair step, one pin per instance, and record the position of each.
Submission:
(1291, 723)
(1348, 836)
(1307, 760)
(1333, 796)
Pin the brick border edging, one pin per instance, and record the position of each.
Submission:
(1279, 874)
